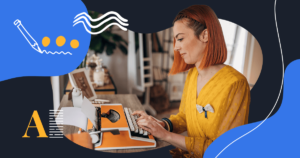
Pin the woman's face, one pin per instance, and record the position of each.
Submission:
(187, 44)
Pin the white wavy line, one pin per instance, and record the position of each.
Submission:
(106, 20)
(279, 91)
(56, 52)
(95, 33)
(103, 16)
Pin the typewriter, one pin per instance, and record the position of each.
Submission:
(117, 129)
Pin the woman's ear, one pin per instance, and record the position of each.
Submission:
(204, 36)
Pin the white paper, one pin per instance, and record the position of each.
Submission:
(89, 110)
(74, 117)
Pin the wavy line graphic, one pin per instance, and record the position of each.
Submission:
(103, 16)
(80, 18)
(106, 20)
(56, 52)
(95, 33)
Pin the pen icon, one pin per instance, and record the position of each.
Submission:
(28, 37)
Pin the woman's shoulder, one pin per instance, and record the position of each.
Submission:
(232, 75)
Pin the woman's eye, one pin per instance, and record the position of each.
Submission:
(180, 39)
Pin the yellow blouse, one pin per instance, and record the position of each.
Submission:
(227, 92)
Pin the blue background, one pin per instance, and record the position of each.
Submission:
(40, 18)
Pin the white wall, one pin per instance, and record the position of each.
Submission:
(56, 92)
(117, 64)
(257, 62)
(254, 63)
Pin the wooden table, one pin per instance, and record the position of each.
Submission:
(127, 100)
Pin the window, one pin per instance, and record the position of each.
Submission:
(236, 40)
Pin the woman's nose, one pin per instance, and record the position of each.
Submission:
(177, 47)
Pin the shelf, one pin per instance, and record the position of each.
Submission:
(166, 70)
(161, 52)
(106, 89)
(170, 41)
(147, 67)
(147, 75)
(146, 59)
(163, 80)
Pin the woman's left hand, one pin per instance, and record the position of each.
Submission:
(151, 125)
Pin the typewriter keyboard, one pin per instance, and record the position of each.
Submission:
(135, 130)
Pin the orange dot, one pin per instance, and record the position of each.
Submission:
(74, 44)
(60, 41)
(46, 41)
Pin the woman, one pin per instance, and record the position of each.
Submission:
(216, 97)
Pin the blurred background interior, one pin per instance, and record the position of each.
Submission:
(136, 63)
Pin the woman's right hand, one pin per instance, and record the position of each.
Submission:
(156, 128)
(143, 115)
(152, 125)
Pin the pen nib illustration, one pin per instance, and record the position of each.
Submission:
(37, 48)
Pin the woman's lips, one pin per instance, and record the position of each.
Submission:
(182, 55)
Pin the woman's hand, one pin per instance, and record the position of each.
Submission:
(156, 128)
(143, 114)
(152, 125)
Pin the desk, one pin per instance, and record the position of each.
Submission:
(127, 100)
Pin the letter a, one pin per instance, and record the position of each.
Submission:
(38, 125)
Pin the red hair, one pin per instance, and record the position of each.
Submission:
(202, 17)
